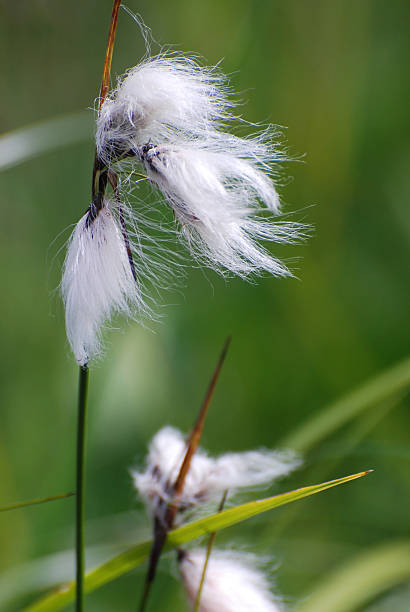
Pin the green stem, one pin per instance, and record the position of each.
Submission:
(34, 502)
(80, 501)
(211, 542)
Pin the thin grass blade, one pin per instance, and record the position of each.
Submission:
(30, 141)
(361, 580)
(35, 502)
(329, 419)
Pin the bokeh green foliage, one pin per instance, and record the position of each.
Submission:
(336, 74)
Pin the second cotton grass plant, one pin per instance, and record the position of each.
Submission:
(226, 581)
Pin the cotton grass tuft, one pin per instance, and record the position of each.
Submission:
(167, 122)
(207, 477)
(97, 281)
(233, 582)
(170, 115)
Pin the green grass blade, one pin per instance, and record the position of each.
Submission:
(361, 581)
(357, 433)
(34, 502)
(32, 140)
(130, 559)
(329, 419)
(229, 517)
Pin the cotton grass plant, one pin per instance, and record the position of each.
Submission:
(167, 116)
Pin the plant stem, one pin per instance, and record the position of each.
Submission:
(34, 502)
(99, 183)
(211, 542)
(80, 498)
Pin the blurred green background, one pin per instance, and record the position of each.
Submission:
(336, 74)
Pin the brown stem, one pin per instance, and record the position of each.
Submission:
(105, 83)
(98, 188)
(195, 437)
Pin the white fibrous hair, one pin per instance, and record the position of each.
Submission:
(170, 115)
(164, 98)
(97, 281)
(207, 477)
(233, 582)
(214, 196)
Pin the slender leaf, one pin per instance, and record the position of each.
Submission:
(360, 581)
(356, 435)
(329, 419)
(30, 141)
(229, 517)
(128, 560)
(34, 502)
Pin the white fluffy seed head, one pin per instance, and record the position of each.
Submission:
(215, 197)
(207, 477)
(97, 281)
(170, 114)
(161, 98)
(233, 582)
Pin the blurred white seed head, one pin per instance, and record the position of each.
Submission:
(207, 477)
(97, 281)
(233, 582)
